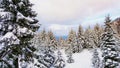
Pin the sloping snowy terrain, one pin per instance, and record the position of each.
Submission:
(82, 59)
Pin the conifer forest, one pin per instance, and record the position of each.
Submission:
(50, 34)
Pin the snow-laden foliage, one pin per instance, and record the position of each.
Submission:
(17, 27)
(46, 58)
(69, 55)
(51, 40)
(89, 38)
(80, 37)
(96, 59)
(60, 62)
(45, 53)
(109, 48)
(74, 42)
(97, 32)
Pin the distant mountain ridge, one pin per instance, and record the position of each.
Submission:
(116, 25)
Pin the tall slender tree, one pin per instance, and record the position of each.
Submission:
(88, 40)
(80, 31)
(70, 56)
(109, 48)
(52, 40)
(72, 40)
(80, 38)
(96, 59)
(97, 31)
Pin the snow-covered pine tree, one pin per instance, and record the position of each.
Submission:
(17, 28)
(72, 41)
(88, 40)
(43, 35)
(70, 59)
(49, 57)
(61, 42)
(110, 53)
(39, 53)
(80, 38)
(97, 31)
(45, 57)
(71, 36)
(45, 47)
(69, 55)
(59, 63)
(39, 39)
(40, 43)
(80, 32)
(51, 40)
(96, 59)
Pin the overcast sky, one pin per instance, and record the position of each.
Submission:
(62, 15)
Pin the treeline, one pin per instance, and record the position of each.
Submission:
(88, 38)
(77, 40)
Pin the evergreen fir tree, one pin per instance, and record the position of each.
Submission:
(59, 63)
(71, 36)
(72, 40)
(51, 40)
(88, 40)
(97, 31)
(80, 32)
(61, 42)
(45, 45)
(49, 57)
(69, 55)
(17, 28)
(109, 48)
(43, 33)
(96, 59)
(80, 38)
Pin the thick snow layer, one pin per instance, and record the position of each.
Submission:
(20, 4)
(20, 16)
(9, 35)
(29, 19)
(23, 30)
(11, 38)
(82, 60)
(10, 27)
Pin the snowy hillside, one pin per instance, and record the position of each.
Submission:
(82, 59)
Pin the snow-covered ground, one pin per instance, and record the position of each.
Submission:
(82, 59)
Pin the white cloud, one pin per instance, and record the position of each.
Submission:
(61, 10)
(61, 14)
(61, 30)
